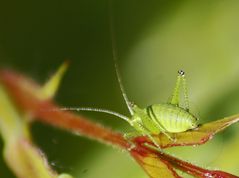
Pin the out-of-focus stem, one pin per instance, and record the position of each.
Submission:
(46, 111)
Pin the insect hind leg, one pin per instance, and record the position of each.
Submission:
(160, 127)
(173, 139)
(180, 84)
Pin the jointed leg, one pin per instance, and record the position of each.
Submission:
(157, 123)
(145, 132)
(129, 136)
(164, 132)
(185, 92)
(181, 82)
(132, 135)
(174, 99)
(152, 147)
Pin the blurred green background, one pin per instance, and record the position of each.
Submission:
(154, 39)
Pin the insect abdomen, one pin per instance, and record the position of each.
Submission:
(172, 118)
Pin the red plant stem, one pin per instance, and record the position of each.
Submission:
(193, 169)
(46, 111)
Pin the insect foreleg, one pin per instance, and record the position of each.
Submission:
(152, 147)
(137, 124)
(130, 135)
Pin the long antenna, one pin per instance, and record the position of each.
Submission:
(96, 110)
(115, 57)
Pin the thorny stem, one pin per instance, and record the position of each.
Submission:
(42, 111)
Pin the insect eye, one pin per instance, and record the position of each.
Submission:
(181, 72)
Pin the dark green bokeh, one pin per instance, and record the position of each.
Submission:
(154, 39)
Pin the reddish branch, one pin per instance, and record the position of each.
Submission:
(48, 112)
(183, 165)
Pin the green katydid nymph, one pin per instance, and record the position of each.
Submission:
(163, 118)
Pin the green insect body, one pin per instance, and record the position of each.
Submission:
(163, 118)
